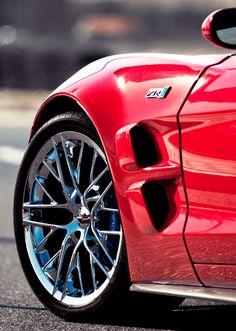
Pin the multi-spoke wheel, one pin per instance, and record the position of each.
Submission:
(67, 223)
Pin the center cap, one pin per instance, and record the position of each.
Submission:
(84, 215)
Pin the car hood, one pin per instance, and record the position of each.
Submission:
(132, 60)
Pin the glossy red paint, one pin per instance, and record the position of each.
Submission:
(217, 275)
(112, 92)
(207, 28)
(208, 127)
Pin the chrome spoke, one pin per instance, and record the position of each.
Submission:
(97, 203)
(43, 242)
(55, 256)
(94, 182)
(114, 210)
(78, 265)
(28, 205)
(63, 250)
(70, 168)
(44, 189)
(80, 160)
(93, 199)
(110, 232)
(95, 154)
(28, 222)
(93, 273)
(60, 171)
(72, 261)
(52, 171)
(95, 259)
(102, 245)
(72, 226)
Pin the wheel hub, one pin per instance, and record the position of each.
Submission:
(84, 217)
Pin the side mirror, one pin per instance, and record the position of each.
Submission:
(220, 28)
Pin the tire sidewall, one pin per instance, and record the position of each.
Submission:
(68, 122)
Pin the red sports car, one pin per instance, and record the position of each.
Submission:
(129, 181)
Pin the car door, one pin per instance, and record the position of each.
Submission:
(208, 138)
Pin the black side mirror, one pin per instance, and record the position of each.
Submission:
(220, 28)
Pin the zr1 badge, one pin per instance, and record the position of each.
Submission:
(159, 93)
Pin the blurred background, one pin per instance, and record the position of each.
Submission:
(42, 42)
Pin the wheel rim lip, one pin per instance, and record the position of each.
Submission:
(68, 300)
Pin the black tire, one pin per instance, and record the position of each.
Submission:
(89, 271)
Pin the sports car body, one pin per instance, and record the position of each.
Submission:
(129, 181)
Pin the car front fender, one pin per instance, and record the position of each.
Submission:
(113, 94)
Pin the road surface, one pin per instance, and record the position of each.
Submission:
(20, 310)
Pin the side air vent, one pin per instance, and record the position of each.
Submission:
(146, 151)
(156, 199)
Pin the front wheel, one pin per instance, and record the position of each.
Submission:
(67, 223)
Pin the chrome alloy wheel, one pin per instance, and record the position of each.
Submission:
(71, 221)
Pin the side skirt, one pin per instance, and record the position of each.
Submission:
(197, 292)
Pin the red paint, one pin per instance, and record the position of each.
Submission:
(217, 275)
(208, 126)
(207, 28)
(113, 96)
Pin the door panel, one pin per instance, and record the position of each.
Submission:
(208, 127)
(217, 275)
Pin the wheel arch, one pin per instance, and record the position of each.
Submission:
(114, 108)
(54, 106)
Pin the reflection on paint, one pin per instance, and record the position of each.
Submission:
(208, 127)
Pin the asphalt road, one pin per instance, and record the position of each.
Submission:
(20, 310)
